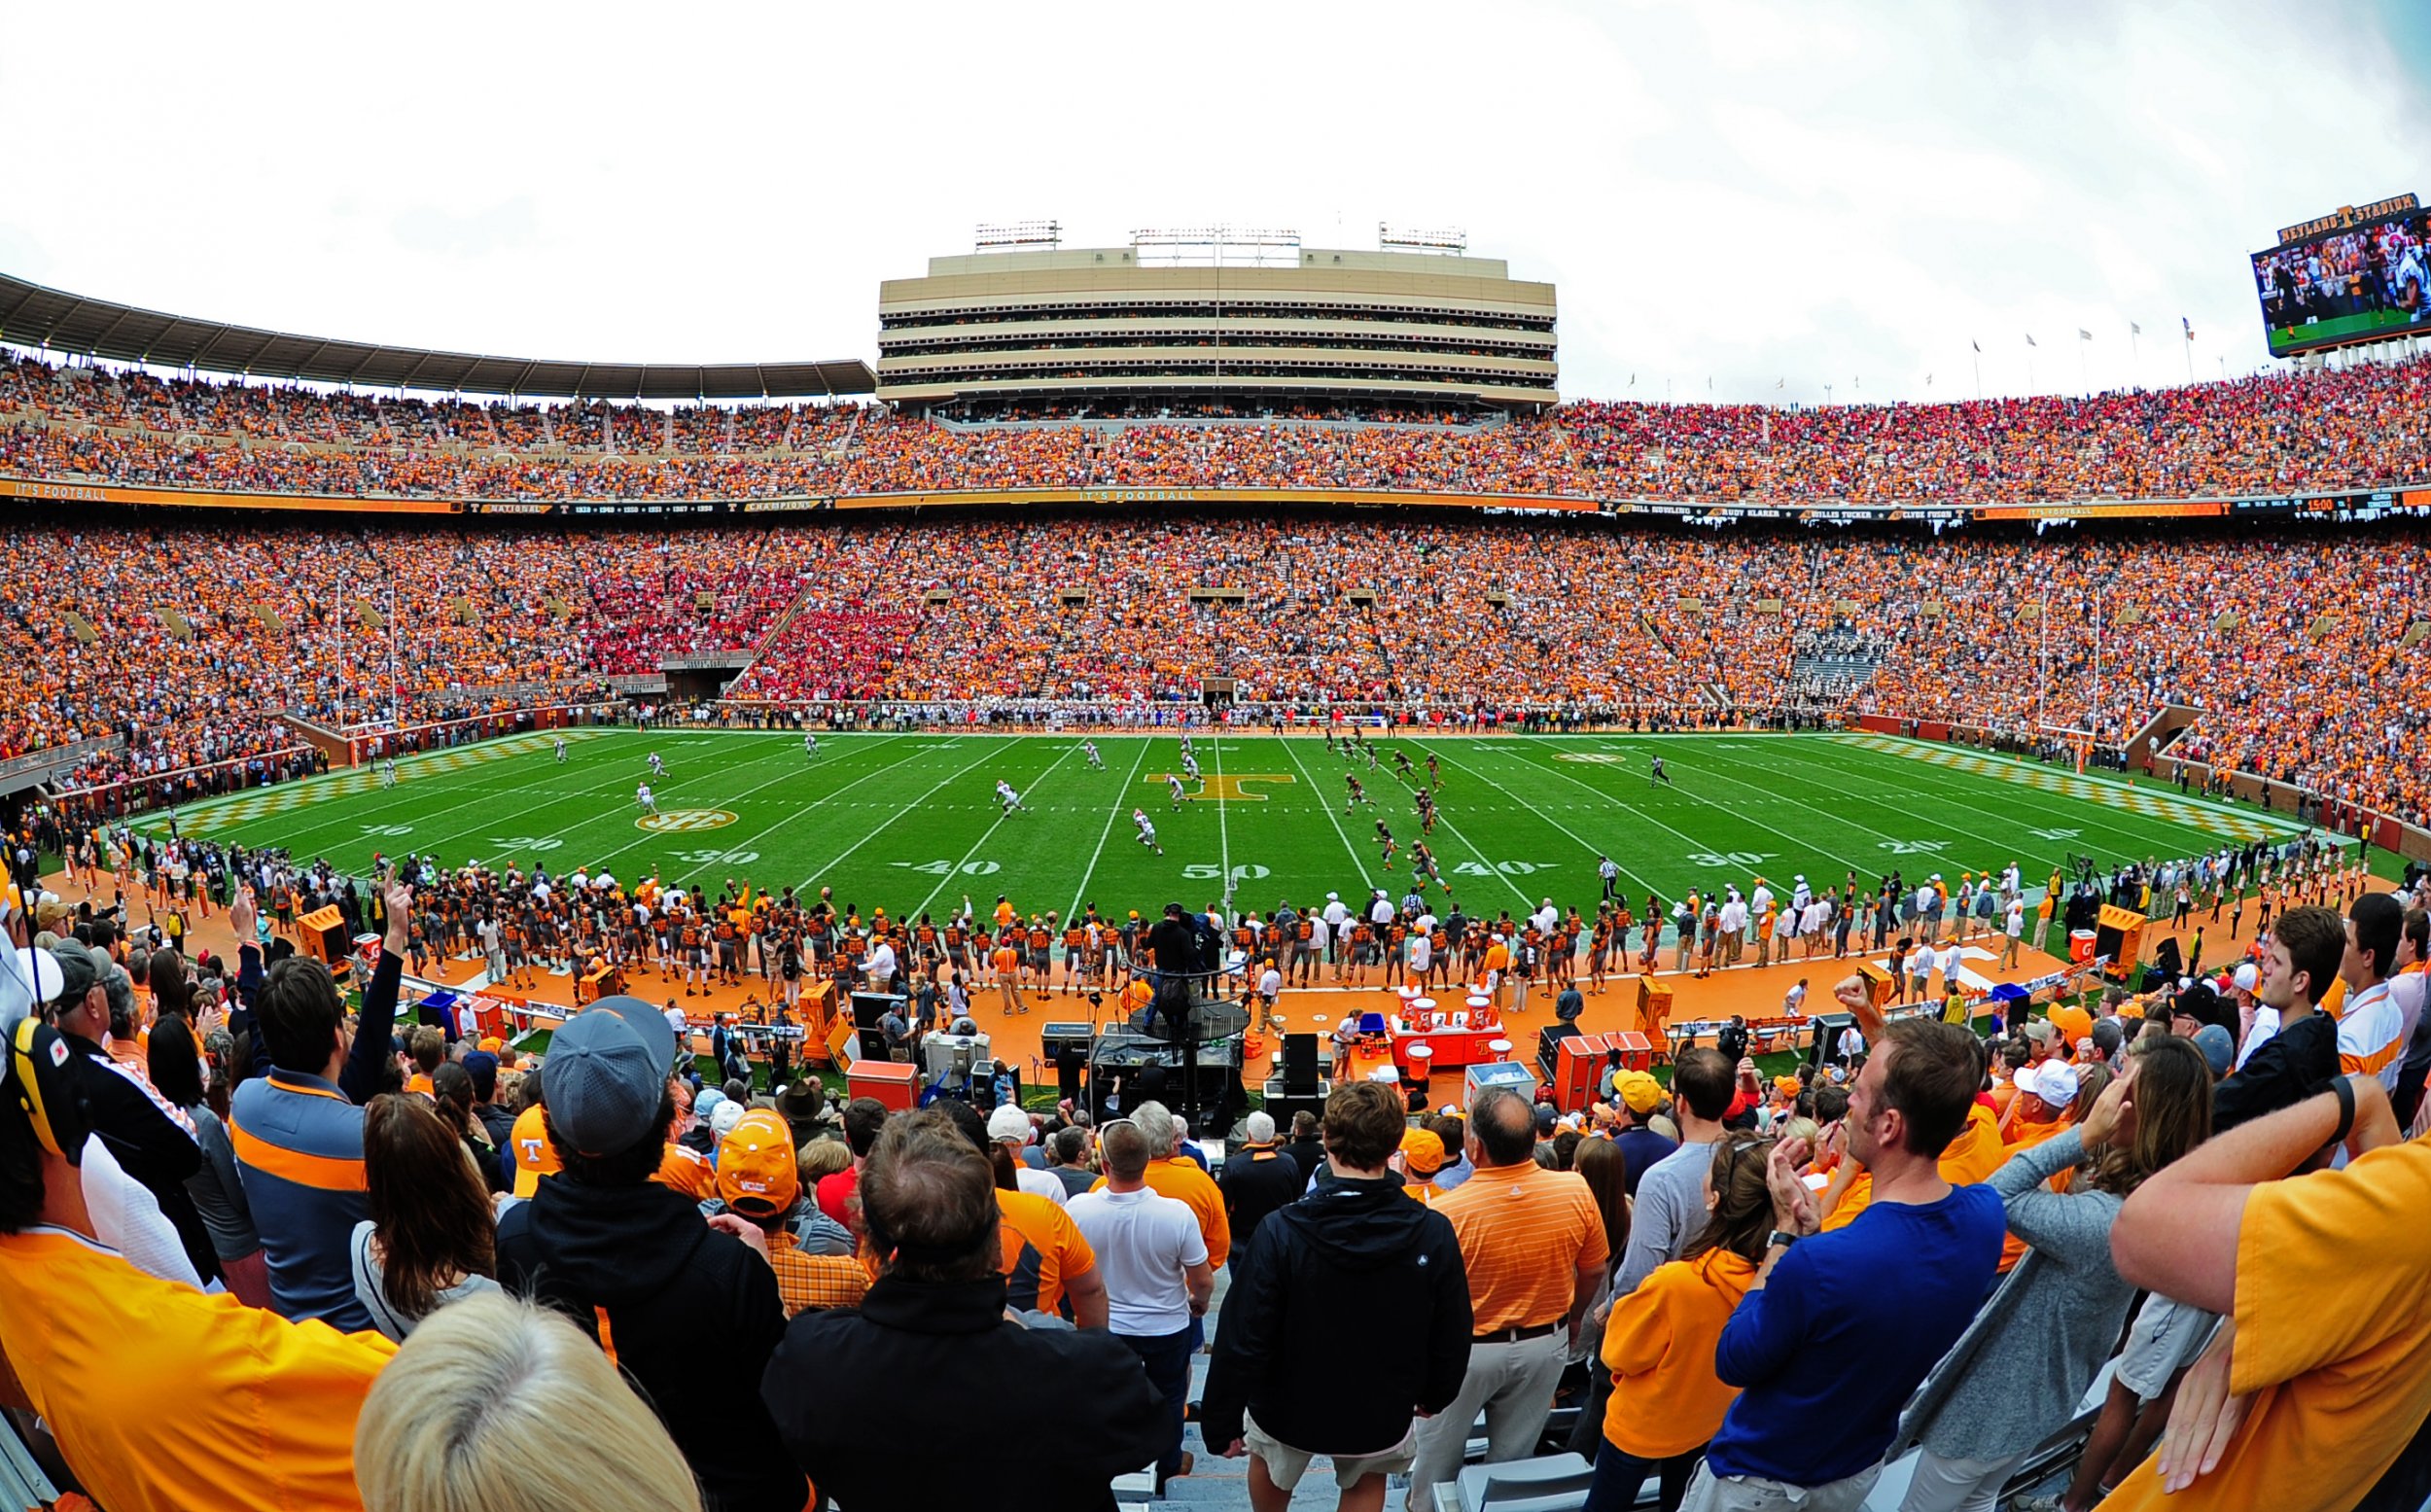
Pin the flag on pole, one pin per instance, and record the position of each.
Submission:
(2135, 330)
(2190, 327)
(1978, 346)
(1928, 381)
(1633, 380)
(1781, 384)
(2084, 334)
(2030, 338)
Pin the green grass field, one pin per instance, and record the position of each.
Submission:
(910, 821)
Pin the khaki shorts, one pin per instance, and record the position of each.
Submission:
(1285, 1465)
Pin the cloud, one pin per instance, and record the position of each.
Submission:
(1731, 191)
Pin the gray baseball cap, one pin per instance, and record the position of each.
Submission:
(608, 1070)
(78, 971)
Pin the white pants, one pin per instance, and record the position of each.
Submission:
(1512, 1384)
(1958, 1485)
(1709, 1492)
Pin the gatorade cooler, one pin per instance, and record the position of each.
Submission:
(2080, 947)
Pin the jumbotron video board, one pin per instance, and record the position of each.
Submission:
(2362, 273)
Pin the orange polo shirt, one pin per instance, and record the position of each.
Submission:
(1525, 1233)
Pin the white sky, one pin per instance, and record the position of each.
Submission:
(1728, 191)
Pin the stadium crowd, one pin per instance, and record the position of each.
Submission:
(198, 646)
(256, 1249)
(2341, 427)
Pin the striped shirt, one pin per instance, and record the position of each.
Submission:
(2372, 1036)
(1524, 1234)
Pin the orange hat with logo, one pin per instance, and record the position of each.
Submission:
(756, 1175)
(535, 1156)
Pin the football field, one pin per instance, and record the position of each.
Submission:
(911, 822)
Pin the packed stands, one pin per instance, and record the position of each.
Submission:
(2345, 428)
(196, 644)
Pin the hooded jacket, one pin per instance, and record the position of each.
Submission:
(1351, 1250)
(840, 1374)
(688, 1314)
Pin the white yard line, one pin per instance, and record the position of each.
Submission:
(1325, 802)
(1129, 781)
(789, 774)
(995, 747)
(985, 835)
(1223, 828)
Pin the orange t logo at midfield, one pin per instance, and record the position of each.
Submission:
(1230, 786)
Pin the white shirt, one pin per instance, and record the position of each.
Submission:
(683, 1030)
(1145, 1245)
(1336, 914)
(882, 963)
(1381, 913)
(1040, 1184)
(1734, 917)
(2265, 1026)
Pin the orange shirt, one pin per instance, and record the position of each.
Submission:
(1044, 1250)
(1659, 1346)
(2333, 1316)
(258, 1413)
(2023, 1135)
(686, 1171)
(1525, 1233)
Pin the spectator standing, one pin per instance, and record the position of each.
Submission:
(2308, 946)
(759, 1180)
(1658, 1341)
(1532, 1244)
(1821, 1333)
(1258, 1180)
(151, 1137)
(1068, 1160)
(936, 1314)
(1635, 1098)
(151, 1388)
(634, 1264)
(1011, 1127)
(1670, 1195)
(1307, 1149)
(1046, 1260)
(431, 1238)
(218, 1192)
(2026, 1360)
(1159, 1277)
(297, 1132)
(1354, 1248)
(863, 1118)
(2314, 1383)
(473, 1415)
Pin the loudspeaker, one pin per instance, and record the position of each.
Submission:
(870, 1006)
(1549, 1045)
(329, 943)
(1282, 1106)
(1826, 1046)
(1299, 1065)
(1052, 1037)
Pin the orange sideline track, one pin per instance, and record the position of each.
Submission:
(1754, 992)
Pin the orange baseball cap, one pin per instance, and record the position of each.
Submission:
(535, 1156)
(756, 1171)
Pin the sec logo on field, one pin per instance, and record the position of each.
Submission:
(684, 818)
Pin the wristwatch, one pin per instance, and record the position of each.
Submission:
(1784, 1238)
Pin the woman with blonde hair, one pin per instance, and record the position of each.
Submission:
(1667, 1401)
(495, 1405)
(2021, 1367)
